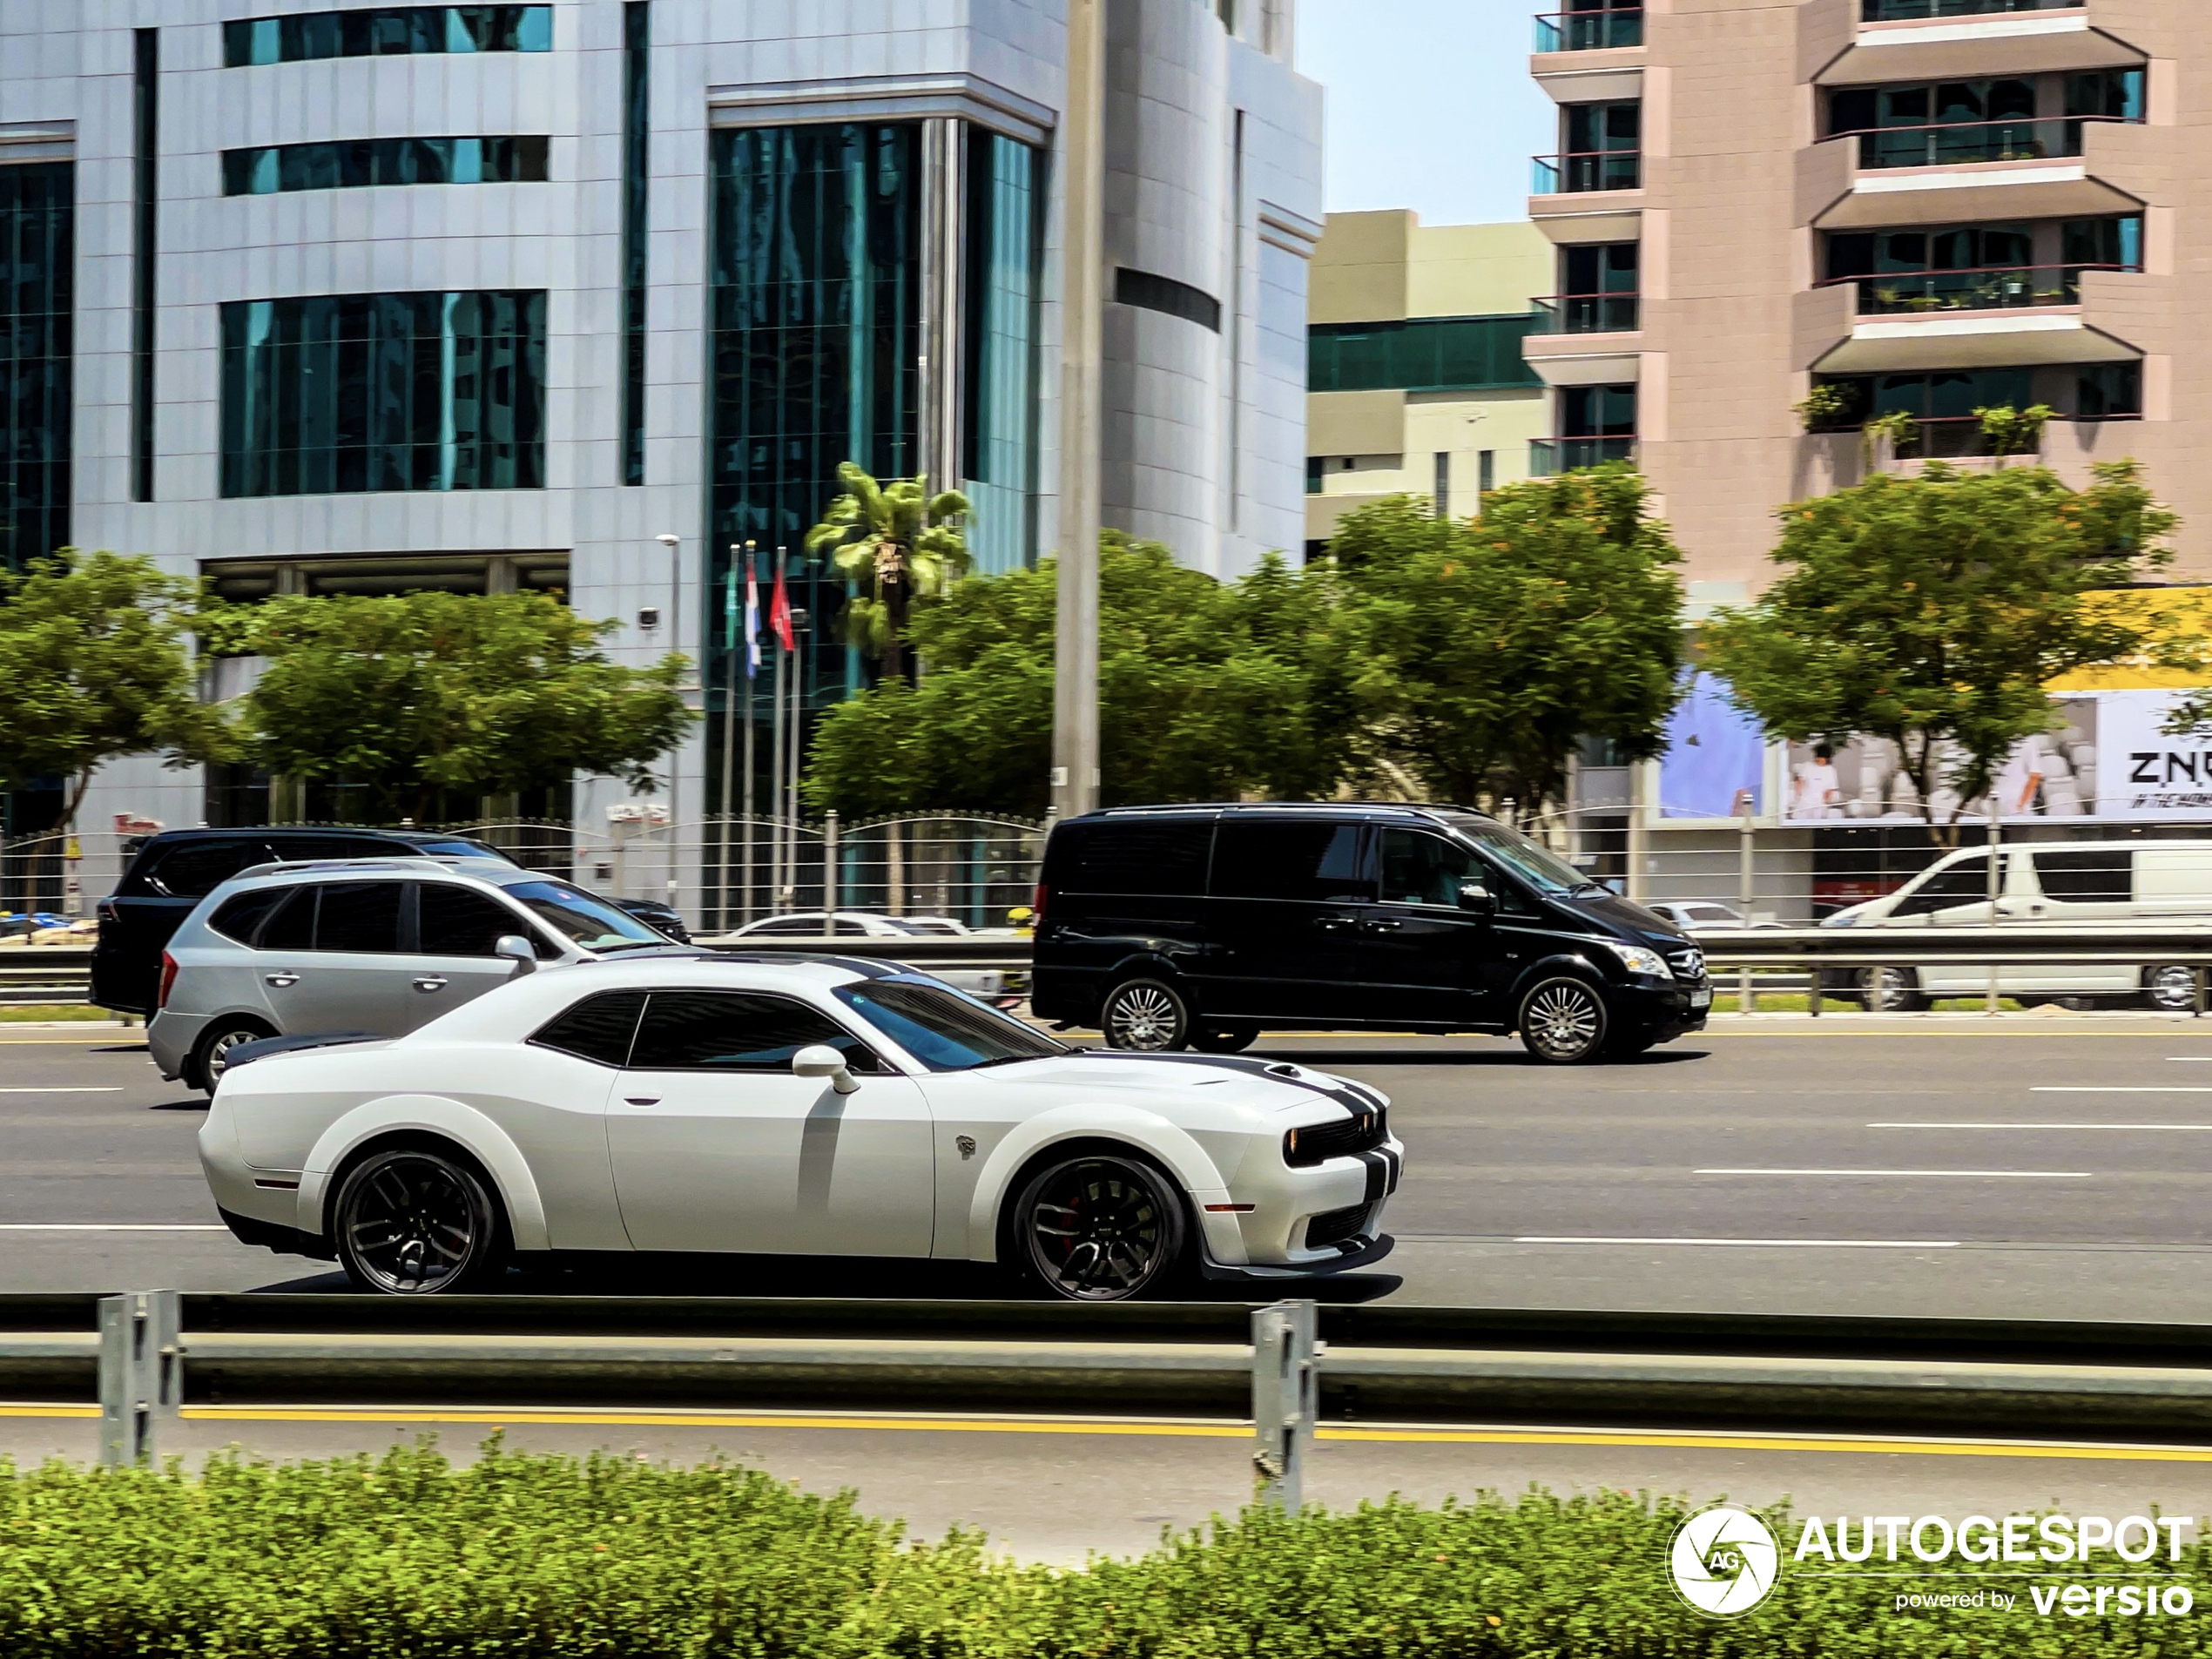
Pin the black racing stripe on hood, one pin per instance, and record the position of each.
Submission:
(1352, 1103)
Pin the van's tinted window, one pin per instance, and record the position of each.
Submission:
(598, 1028)
(461, 921)
(1423, 869)
(194, 869)
(1290, 857)
(238, 918)
(1138, 855)
(293, 928)
(360, 917)
(2087, 878)
(1966, 882)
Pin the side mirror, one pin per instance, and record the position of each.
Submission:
(513, 947)
(1476, 899)
(820, 1060)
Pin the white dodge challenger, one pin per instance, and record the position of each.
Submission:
(821, 1107)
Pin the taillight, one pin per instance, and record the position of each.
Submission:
(168, 978)
(105, 911)
(1036, 905)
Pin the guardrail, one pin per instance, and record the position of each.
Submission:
(152, 1357)
(34, 975)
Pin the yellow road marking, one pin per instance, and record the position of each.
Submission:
(1654, 1439)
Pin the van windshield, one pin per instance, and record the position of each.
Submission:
(1545, 872)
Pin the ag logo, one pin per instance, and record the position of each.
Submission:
(1724, 1560)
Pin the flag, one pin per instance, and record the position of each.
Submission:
(751, 622)
(779, 612)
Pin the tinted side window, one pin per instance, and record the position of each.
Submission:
(1425, 869)
(2087, 878)
(1963, 883)
(1285, 858)
(732, 1031)
(461, 921)
(293, 928)
(793, 928)
(1163, 856)
(238, 917)
(194, 869)
(359, 916)
(298, 849)
(598, 1028)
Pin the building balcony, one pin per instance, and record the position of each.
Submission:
(2018, 316)
(1931, 294)
(1587, 31)
(2069, 167)
(1931, 40)
(1548, 457)
(1584, 314)
(1926, 10)
(1968, 144)
(1588, 172)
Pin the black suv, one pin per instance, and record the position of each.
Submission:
(175, 870)
(1200, 926)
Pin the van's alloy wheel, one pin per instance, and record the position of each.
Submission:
(1099, 1229)
(213, 1056)
(1889, 990)
(1563, 1020)
(414, 1222)
(2172, 989)
(1145, 1016)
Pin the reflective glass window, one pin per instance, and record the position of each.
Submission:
(382, 31)
(357, 163)
(1003, 249)
(38, 260)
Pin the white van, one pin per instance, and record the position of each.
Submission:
(2101, 884)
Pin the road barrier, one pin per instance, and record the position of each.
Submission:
(1289, 1366)
(35, 976)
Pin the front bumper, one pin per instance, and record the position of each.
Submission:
(1358, 1252)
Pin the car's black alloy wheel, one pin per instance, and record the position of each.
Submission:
(210, 1058)
(415, 1223)
(1563, 1021)
(1147, 1016)
(1099, 1229)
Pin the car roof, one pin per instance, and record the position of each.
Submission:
(295, 832)
(1366, 811)
(497, 872)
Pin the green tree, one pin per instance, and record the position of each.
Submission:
(96, 662)
(1206, 692)
(418, 695)
(1476, 653)
(1933, 610)
(897, 544)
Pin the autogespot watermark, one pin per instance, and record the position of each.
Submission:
(1725, 1561)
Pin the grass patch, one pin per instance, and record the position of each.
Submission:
(527, 1556)
(51, 1012)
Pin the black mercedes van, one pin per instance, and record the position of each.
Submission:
(1201, 927)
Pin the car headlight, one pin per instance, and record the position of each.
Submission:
(1637, 959)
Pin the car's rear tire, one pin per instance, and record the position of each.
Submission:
(205, 1069)
(1890, 990)
(1146, 1016)
(2170, 990)
(1225, 1039)
(1563, 1021)
(417, 1221)
(1098, 1227)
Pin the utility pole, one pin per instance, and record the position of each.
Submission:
(1074, 693)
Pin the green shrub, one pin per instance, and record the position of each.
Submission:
(551, 1557)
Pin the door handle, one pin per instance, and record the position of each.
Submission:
(1334, 924)
(281, 980)
(1382, 925)
(430, 983)
(640, 1100)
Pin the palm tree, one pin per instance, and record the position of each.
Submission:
(897, 544)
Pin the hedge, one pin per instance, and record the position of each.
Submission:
(407, 1557)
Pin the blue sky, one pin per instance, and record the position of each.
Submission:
(1429, 104)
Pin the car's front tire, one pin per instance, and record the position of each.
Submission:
(1098, 1227)
(2170, 990)
(1146, 1016)
(1890, 990)
(1564, 1022)
(205, 1069)
(411, 1221)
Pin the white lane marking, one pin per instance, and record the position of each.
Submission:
(1970, 1175)
(111, 1227)
(2198, 1127)
(1768, 1243)
(2185, 1059)
(114, 1088)
(2120, 1089)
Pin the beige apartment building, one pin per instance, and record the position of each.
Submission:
(1928, 207)
(1417, 380)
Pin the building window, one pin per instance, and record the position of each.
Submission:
(386, 31)
(1315, 465)
(1443, 490)
(146, 223)
(1000, 406)
(340, 394)
(37, 252)
(1423, 354)
(1485, 470)
(1148, 291)
(360, 163)
(636, 220)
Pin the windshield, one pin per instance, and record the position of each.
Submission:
(1545, 872)
(943, 1029)
(587, 922)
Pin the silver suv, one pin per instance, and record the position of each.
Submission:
(375, 946)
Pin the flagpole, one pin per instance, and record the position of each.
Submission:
(776, 761)
(798, 627)
(729, 720)
(748, 732)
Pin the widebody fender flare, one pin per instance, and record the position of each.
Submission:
(465, 1126)
(1143, 1131)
